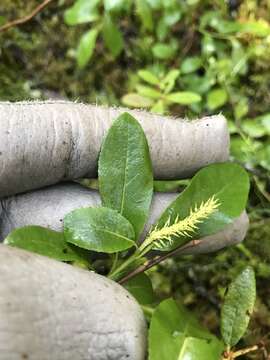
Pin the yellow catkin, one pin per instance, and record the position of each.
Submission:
(160, 238)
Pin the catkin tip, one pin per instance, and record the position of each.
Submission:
(159, 238)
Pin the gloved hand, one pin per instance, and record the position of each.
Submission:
(50, 310)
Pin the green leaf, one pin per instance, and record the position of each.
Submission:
(82, 11)
(232, 127)
(169, 80)
(228, 182)
(148, 77)
(216, 98)
(241, 108)
(125, 171)
(145, 14)
(114, 5)
(245, 151)
(148, 92)
(238, 306)
(254, 128)
(136, 100)
(162, 29)
(172, 16)
(225, 26)
(156, 4)
(239, 59)
(163, 51)
(86, 47)
(208, 45)
(191, 64)
(141, 288)
(184, 97)
(98, 229)
(169, 185)
(176, 335)
(264, 156)
(200, 84)
(112, 36)
(44, 242)
(265, 120)
(258, 28)
(158, 107)
(2, 20)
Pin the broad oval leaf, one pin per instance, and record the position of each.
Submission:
(265, 120)
(44, 242)
(125, 171)
(227, 182)
(136, 100)
(112, 36)
(184, 97)
(82, 11)
(216, 98)
(114, 5)
(260, 28)
(149, 77)
(238, 306)
(176, 335)
(98, 229)
(148, 92)
(191, 64)
(254, 128)
(143, 10)
(163, 51)
(141, 288)
(86, 47)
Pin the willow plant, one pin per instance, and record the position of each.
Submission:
(126, 185)
(159, 238)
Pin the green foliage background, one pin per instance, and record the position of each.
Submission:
(218, 49)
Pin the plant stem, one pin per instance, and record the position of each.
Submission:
(244, 351)
(27, 18)
(231, 355)
(113, 274)
(114, 264)
(156, 260)
(148, 310)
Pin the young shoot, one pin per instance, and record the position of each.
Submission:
(158, 239)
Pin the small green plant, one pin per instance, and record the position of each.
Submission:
(102, 16)
(213, 198)
(158, 94)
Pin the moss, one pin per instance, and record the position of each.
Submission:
(258, 240)
(39, 55)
